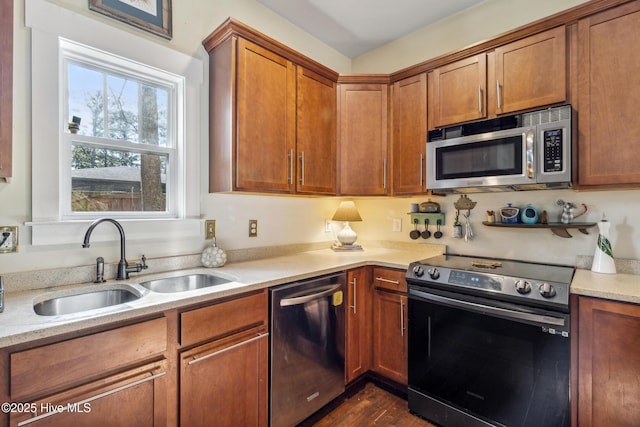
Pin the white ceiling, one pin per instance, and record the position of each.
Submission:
(354, 27)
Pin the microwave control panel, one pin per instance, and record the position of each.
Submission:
(552, 142)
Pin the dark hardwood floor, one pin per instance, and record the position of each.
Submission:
(372, 406)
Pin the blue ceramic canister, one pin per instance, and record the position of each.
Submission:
(509, 214)
(529, 215)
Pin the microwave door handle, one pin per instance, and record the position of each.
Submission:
(529, 139)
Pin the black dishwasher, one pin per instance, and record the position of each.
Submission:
(307, 347)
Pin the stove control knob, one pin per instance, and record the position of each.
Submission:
(547, 291)
(523, 287)
(418, 271)
(433, 273)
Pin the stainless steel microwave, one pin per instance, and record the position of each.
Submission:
(528, 151)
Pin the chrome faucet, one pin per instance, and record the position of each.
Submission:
(123, 266)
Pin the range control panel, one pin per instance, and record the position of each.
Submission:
(493, 285)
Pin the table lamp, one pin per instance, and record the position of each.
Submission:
(347, 212)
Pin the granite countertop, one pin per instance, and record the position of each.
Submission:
(618, 287)
(19, 323)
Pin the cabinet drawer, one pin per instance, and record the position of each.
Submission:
(56, 366)
(393, 280)
(134, 397)
(221, 319)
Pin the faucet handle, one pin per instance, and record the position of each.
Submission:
(143, 265)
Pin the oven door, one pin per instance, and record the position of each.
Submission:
(500, 158)
(477, 362)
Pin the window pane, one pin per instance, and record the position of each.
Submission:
(107, 180)
(86, 99)
(116, 107)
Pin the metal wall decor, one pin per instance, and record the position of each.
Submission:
(150, 15)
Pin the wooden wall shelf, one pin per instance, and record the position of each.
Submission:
(556, 228)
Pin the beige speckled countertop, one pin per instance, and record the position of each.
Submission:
(19, 323)
(618, 287)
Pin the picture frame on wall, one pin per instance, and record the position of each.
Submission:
(153, 16)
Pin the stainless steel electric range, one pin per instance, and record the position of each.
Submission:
(489, 342)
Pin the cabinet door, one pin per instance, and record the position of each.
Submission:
(136, 397)
(460, 91)
(316, 134)
(390, 335)
(225, 383)
(531, 72)
(609, 98)
(409, 135)
(608, 363)
(363, 139)
(358, 352)
(266, 97)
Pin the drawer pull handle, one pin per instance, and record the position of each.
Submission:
(215, 353)
(96, 397)
(381, 279)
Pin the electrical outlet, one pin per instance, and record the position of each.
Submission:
(397, 224)
(209, 229)
(327, 226)
(253, 228)
(8, 239)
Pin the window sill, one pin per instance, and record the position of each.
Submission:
(72, 232)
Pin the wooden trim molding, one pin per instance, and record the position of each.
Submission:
(231, 27)
(566, 17)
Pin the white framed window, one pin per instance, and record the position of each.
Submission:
(121, 156)
(138, 137)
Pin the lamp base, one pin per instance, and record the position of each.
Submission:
(347, 236)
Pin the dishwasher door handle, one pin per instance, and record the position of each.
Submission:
(325, 290)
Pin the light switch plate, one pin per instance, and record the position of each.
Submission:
(8, 239)
(209, 229)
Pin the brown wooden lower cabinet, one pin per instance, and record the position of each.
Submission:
(224, 379)
(358, 323)
(225, 383)
(390, 335)
(608, 363)
(135, 397)
(112, 377)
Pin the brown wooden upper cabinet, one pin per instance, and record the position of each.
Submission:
(531, 72)
(525, 74)
(6, 89)
(609, 98)
(460, 91)
(272, 124)
(409, 135)
(363, 116)
(316, 133)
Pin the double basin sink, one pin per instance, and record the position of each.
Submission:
(122, 294)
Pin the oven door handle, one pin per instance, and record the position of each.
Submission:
(486, 309)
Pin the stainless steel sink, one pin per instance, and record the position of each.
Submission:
(85, 301)
(184, 283)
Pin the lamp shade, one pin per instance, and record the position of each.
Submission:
(347, 212)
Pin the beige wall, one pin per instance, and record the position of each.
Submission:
(481, 22)
(284, 220)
